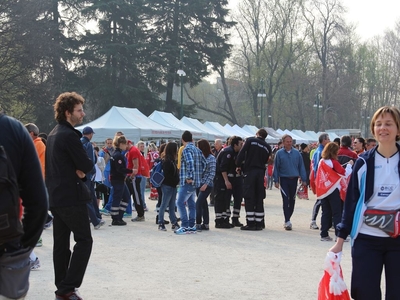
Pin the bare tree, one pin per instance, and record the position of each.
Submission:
(325, 20)
(269, 40)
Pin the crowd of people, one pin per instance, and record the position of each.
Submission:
(356, 182)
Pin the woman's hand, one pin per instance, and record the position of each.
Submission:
(338, 247)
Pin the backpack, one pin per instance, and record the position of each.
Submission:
(10, 224)
(157, 174)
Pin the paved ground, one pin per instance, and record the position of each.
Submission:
(139, 262)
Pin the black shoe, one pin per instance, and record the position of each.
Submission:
(205, 227)
(226, 222)
(165, 222)
(236, 223)
(118, 223)
(223, 225)
(247, 227)
(70, 296)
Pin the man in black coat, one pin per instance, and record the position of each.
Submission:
(254, 154)
(66, 166)
(14, 253)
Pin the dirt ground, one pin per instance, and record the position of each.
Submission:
(139, 262)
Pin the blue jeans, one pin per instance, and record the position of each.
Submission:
(187, 193)
(202, 206)
(93, 209)
(168, 199)
(142, 190)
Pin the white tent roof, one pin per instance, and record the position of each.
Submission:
(237, 131)
(272, 133)
(253, 130)
(212, 134)
(169, 120)
(312, 134)
(304, 135)
(250, 128)
(296, 137)
(218, 128)
(131, 122)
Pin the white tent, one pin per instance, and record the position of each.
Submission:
(304, 135)
(218, 128)
(294, 136)
(312, 134)
(237, 131)
(250, 128)
(131, 122)
(212, 134)
(169, 120)
(272, 133)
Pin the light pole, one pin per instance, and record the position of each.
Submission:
(366, 116)
(181, 73)
(262, 95)
(317, 105)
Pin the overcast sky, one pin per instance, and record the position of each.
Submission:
(372, 17)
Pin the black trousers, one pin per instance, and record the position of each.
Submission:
(254, 194)
(134, 190)
(70, 267)
(237, 193)
(222, 199)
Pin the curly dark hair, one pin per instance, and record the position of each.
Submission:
(66, 102)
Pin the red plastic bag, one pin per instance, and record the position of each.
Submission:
(302, 192)
(332, 285)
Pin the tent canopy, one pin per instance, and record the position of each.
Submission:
(214, 126)
(131, 122)
(304, 135)
(212, 134)
(237, 131)
(169, 120)
(250, 128)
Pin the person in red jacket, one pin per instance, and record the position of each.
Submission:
(328, 188)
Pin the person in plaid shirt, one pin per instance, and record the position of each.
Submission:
(192, 167)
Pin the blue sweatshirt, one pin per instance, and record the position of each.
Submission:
(289, 164)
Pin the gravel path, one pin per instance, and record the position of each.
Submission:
(139, 262)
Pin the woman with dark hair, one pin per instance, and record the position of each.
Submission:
(159, 191)
(373, 198)
(118, 173)
(207, 179)
(329, 174)
(168, 186)
(359, 145)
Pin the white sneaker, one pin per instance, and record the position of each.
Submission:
(313, 225)
(101, 223)
(35, 264)
(287, 225)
